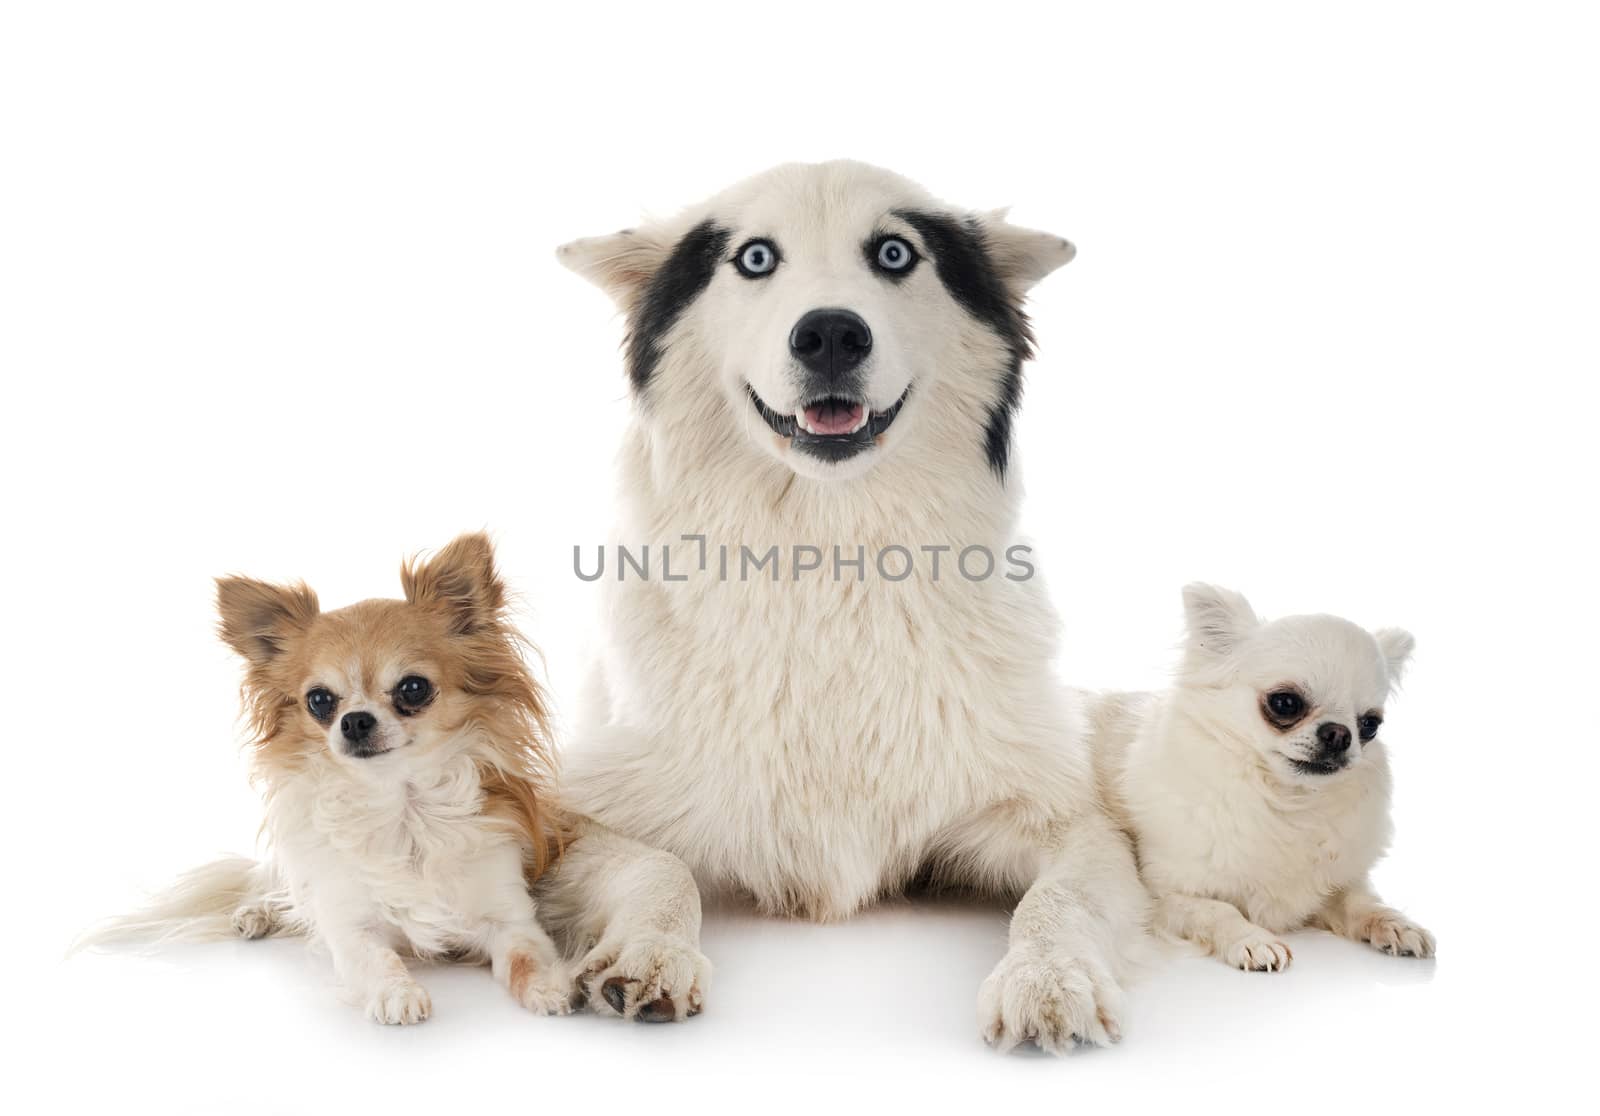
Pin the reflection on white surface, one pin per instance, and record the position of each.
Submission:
(886, 1000)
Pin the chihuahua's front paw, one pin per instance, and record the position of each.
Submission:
(254, 920)
(1055, 1004)
(399, 1001)
(653, 979)
(1258, 952)
(538, 983)
(1389, 932)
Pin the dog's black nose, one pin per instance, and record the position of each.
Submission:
(357, 726)
(830, 342)
(1334, 738)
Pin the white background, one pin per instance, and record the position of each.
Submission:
(277, 296)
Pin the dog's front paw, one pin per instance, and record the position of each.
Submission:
(1053, 1003)
(539, 984)
(653, 979)
(400, 1002)
(254, 920)
(1389, 932)
(1258, 952)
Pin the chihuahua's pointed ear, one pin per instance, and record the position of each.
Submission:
(1023, 256)
(1396, 645)
(1218, 619)
(460, 581)
(257, 619)
(621, 264)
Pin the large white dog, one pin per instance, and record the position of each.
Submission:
(836, 675)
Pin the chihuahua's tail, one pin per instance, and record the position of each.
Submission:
(235, 897)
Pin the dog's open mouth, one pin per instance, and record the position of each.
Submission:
(1312, 767)
(832, 428)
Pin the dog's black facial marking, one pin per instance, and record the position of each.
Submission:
(679, 281)
(961, 260)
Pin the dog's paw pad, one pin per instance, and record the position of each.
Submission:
(1054, 1004)
(1391, 934)
(661, 1010)
(657, 979)
(399, 1002)
(1259, 954)
(615, 993)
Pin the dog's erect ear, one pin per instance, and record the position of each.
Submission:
(258, 619)
(1396, 645)
(461, 581)
(621, 264)
(1023, 256)
(1218, 618)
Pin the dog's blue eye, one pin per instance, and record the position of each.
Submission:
(756, 259)
(321, 703)
(895, 254)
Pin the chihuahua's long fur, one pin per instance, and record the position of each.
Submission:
(402, 747)
(1256, 790)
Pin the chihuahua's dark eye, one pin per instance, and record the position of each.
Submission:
(322, 703)
(412, 693)
(757, 259)
(1369, 726)
(1286, 705)
(892, 255)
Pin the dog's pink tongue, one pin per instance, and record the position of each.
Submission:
(833, 417)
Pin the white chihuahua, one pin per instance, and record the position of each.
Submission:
(1256, 790)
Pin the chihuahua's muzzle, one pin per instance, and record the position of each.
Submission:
(1333, 751)
(357, 728)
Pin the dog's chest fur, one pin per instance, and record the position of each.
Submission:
(1210, 820)
(807, 740)
(406, 858)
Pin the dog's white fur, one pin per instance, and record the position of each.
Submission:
(1236, 844)
(813, 743)
(393, 856)
(371, 863)
(369, 876)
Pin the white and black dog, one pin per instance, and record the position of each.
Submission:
(837, 677)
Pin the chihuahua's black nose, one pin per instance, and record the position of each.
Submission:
(358, 726)
(1334, 738)
(830, 343)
